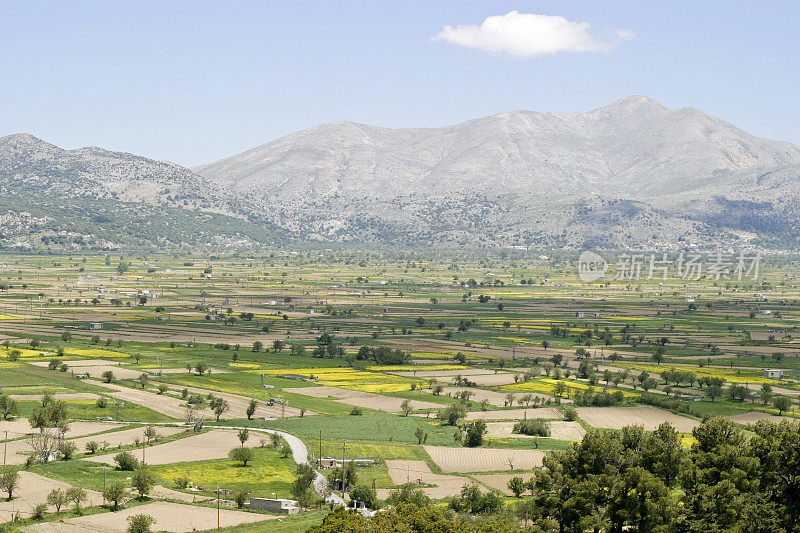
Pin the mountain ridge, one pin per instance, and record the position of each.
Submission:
(631, 174)
(569, 152)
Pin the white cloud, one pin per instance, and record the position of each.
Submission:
(529, 35)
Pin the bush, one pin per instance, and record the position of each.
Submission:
(182, 482)
(472, 501)
(408, 493)
(452, 414)
(475, 431)
(39, 511)
(534, 426)
(140, 523)
(356, 411)
(241, 498)
(102, 402)
(365, 494)
(92, 446)
(67, 449)
(126, 461)
(570, 414)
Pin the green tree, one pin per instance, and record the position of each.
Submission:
(8, 406)
(57, 498)
(219, 406)
(251, 409)
(366, 495)
(142, 480)
(243, 454)
(475, 431)
(77, 496)
(9, 481)
(114, 493)
(516, 485)
(243, 435)
(782, 403)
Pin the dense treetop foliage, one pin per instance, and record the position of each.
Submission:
(635, 481)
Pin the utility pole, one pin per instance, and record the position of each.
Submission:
(344, 448)
(217, 507)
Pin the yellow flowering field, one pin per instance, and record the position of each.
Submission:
(95, 352)
(411, 368)
(443, 355)
(10, 317)
(223, 472)
(548, 386)
(348, 378)
(244, 365)
(731, 375)
(92, 353)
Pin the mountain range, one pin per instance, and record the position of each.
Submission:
(632, 174)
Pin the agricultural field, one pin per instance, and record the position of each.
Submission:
(423, 370)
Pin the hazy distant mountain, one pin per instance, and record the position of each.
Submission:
(633, 148)
(628, 174)
(631, 174)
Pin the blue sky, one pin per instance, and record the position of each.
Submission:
(193, 82)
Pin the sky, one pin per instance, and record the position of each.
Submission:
(196, 81)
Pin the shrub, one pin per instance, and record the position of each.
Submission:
(534, 426)
(365, 494)
(38, 512)
(182, 482)
(92, 446)
(356, 411)
(140, 523)
(570, 414)
(475, 431)
(67, 449)
(126, 461)
(241, 498)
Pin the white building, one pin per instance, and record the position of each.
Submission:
(773, 373)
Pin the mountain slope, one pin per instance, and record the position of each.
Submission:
(91, 197)
(632, 173)
(633, 148)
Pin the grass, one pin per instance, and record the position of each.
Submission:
(297, 523)
(88, 410)
(377, 427)
(267, 474)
